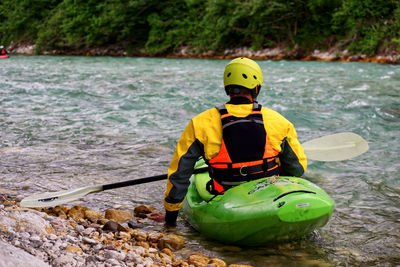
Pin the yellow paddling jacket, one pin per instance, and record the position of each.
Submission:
(203, 138)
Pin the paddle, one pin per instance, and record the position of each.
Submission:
(57, 198)
(334, 147)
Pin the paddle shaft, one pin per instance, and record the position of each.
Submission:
(146, 180)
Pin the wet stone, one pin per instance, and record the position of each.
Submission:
(77, 212)
(134, 225)
(154, 236)
(172, 242)
(109, 247)
(96, 226)
(73, 249)
(113, 262)
(215, 262)
(25, 235)
(114, 254)
(88, 231)
(146, 209)
(119, 216)
(79, 228)
(88, 240)
(198, 259)
(113, 227)
(140, 235)
(64, 260)
(52, 237)
(102, 221)
(93, 216)
(157, 216)
(91, 258)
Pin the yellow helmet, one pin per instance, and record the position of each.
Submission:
(244, 72)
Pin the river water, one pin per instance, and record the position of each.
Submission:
(68, 122)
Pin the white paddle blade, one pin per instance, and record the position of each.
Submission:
(335, 147)
(57, 198)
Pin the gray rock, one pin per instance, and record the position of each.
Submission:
(113, 227)
(16, 243)
(25, 235)
(30, 222)
(12, 256)
(88, 240)
(114, 262)
(71, 239)
(88, 231)
(79, 228)
(52, 237)
(35, 238)
(65, 260)
(114, 255)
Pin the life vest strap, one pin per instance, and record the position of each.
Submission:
(223, 111)
(245, 173)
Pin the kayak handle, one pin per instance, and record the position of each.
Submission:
(291, 192)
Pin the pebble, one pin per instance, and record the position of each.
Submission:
(25, 235)
(88, 240)
(88, 231)
(52, 237)
(113, 262)
(79, 228)
(114, 254)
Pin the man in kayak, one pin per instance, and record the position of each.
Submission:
(3, 51)
(240, 141)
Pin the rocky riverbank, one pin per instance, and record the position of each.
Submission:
(80, 236)
(279, 53)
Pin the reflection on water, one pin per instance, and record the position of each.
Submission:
(68, 122)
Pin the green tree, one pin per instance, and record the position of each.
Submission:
(364, 24)
(21, 19)
(80, 23)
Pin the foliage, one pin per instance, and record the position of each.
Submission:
(162, 26)
(80, 23)
(365, 23)
(21, 19)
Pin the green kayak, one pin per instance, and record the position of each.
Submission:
(258, 212)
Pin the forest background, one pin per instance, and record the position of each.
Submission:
(202, 27)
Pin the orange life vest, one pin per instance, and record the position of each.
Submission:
(246, 153)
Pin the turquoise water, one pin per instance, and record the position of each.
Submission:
(68, 122)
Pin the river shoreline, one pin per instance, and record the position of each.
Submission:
(79, 236)
(278, 53)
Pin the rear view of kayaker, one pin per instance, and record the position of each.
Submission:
(240, 141)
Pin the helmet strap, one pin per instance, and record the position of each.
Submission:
(256, 91)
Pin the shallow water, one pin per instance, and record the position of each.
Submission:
(68, 122)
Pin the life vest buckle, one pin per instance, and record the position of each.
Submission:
(243, 171)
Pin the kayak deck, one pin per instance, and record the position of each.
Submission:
(258, 212)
